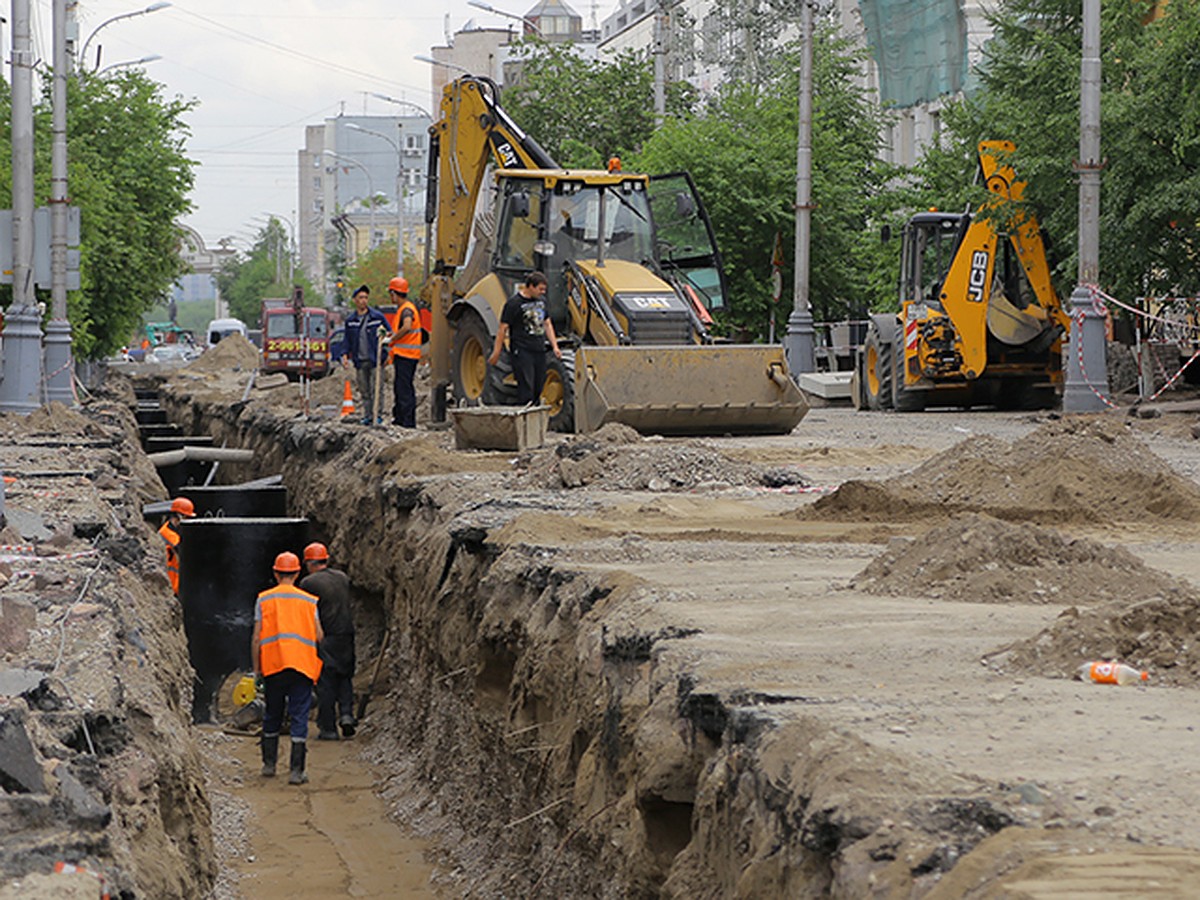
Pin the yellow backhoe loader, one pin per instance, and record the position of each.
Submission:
(633, 272)
(980, 323)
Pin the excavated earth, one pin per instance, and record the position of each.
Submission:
(836, 663)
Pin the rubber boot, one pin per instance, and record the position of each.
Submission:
(270, 755)
(299, 750)
(349, 725)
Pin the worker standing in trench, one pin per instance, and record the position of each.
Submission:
(287, 630)
(181, 507)
(335, 687)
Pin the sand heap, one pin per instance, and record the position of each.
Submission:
(978, 559)
(233, 353)
(616, 457)
(1091, 471)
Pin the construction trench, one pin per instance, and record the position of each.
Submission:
(625, 667)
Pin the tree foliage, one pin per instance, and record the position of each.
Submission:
(1150, 133)
(377, 267)
(741, 151)
(245, 279)
(583, 111)
(128, 173)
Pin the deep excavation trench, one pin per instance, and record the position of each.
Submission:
(545, 724)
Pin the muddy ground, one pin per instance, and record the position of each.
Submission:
(836, 663)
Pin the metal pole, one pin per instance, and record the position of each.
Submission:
(59, 365)
(798, 343)
(401, 196)
(21, 388)
(660, 64)
(1085, 367)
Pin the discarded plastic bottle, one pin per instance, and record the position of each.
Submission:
(1111, 673)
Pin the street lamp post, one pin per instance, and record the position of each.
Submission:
(153, 7)
(401, 192)
(428, 223)
(153, 57)
(370, 191)
(291, 241)
(487, 7)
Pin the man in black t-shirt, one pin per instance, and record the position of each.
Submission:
(335, 690)
(524, 322)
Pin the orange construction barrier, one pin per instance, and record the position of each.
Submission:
(347, 401)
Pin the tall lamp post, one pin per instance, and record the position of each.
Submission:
(153, 7)
(370, 191)
(798, 343)
(401, 191)
(153, 57)
(428, 224)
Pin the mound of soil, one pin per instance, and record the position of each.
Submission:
(1074, 470)
(979, 559)
(616, 457)
(1156, 634)
(233, 353)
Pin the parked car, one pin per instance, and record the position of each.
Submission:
(171, 353)
(337, 345)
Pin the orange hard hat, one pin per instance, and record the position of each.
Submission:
(183, 506)
(287, 562)
(316, 552)
(614, 164)
(399, 285)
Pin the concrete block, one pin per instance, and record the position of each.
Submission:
(20, 769)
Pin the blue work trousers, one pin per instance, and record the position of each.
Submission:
(293, 691)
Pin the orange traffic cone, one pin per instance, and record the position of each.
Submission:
(347, 401)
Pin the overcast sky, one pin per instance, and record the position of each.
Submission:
(262, 70)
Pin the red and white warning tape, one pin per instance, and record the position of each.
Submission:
(1100, 310)
(1100, 298)
(66, 868)
(802, 489)
(26, 558)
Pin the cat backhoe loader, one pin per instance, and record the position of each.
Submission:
(633, 275)
(980, 322)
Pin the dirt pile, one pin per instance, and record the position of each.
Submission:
(1086, 470)
(1157, 633)
(616, 457)
(978, 559)
(234, 353)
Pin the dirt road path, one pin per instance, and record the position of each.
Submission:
(329, 838)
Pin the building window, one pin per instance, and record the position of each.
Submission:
(316, 182)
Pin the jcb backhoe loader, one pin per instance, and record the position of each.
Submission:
(633, 276)
(980, 322)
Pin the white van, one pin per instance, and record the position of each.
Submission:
(222, 328)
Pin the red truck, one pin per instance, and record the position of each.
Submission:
(295, 337)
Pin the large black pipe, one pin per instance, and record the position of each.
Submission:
(166, 430)
(150, 416)
(160, 444)
(224, 564)
(182, 474)
(235, 501)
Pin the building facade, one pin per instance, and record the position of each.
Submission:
(361, 183)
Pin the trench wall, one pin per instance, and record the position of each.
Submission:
(549, 723)
(97, 764)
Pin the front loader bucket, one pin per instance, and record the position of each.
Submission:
(688, 389)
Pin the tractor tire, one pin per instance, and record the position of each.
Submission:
(474, 380)
(877, 366)
(558, 392)
(903, 399)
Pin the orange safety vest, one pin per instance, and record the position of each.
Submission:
(408, 346)
(171, 536)
(287, 637)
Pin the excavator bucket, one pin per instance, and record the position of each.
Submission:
(687, 390)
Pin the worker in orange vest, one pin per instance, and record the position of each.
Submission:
(405, 346)
(287, 629)
(181, 507)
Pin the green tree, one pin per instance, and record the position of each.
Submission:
(245, 279)
(583, 111)
(1150, 129)
(741, 151)
(377, 267)
(130, 177)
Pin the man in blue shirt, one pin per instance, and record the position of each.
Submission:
(362, 346)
